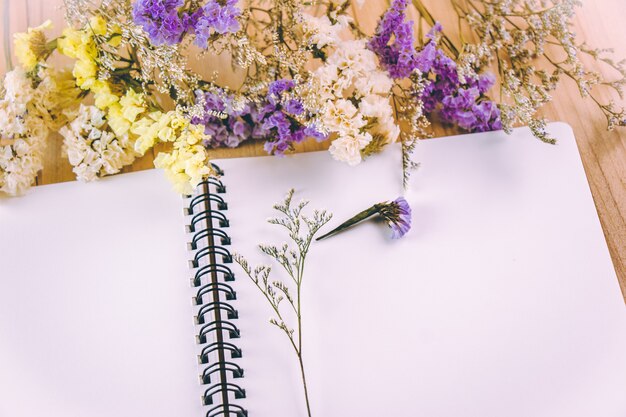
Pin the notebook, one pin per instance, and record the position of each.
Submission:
(118, 298)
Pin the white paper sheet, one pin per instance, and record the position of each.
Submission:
(95, 303)
(501, 301)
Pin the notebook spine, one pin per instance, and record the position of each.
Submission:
(215, 315)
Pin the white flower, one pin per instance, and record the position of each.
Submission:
(321, 31)
(352, 57)
(92, 149)
(22, 134)
(18, 87)
(348, 148)
(374, 82)
(374, 105)
(343, 117)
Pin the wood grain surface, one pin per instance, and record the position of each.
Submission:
(600, 22)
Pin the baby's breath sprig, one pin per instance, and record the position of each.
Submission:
(533, 46)
(301, 230)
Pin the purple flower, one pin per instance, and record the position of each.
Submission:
(397, 213)
(294, 107)
(160, 19)
(397, 57)
(461, 103)
(272, 120)
(280, 121)
(398, 216)
(167, 21)
(217, 17)
(229, 131)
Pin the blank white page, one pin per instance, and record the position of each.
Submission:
(501, 301)
(95, 302)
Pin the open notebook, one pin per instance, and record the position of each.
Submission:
(501, 301)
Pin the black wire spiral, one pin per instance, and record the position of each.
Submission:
(215, 314)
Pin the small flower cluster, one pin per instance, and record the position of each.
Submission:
(81, 45)
(357, 95)
(92, 148)
(281, 117)
(23, 135)
(32, 106)
(226, 121)
(32, 47)
(186, 164)
(398, 57)
(168, 21)
(461, 100)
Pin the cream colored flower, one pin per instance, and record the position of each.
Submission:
(321, 32)
(343, 117)
(348, 148)
(92, 149)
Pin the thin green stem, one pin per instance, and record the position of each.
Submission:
(428, 17)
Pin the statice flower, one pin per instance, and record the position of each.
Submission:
(397, 214)
(227, 124)
(357, 107)
(282, 116)
(278, 119)
(463, 103)
(221, 18)
(92, 148)
(397, 57)
(459, 101)
(22, 134)
(160, 19)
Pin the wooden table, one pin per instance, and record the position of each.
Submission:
(600, 22)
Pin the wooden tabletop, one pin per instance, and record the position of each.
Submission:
(599, 22)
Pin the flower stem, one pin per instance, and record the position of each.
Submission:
(423, 11)
(354, 220)
(306, 391)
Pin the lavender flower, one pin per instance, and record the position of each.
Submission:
(461, 103)
(275, 119)
(398, 216)
(397, 213)
(160, 19)
(221, 18)
(280, 119)
(227, 126)
(166, 21)
(398, 58)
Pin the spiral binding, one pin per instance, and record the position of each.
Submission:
(214, 314)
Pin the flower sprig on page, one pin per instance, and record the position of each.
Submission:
(301, 230)
(397, 214)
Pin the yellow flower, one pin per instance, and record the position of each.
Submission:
(195, 134)
(115, 40)
(70, 41)
(98, 25)
(133, 104)
(186, 165)
(167, 134)
(31, 47)
(102, 94)
(85, 73)
(147, 129)
(178, 121)
(118, 123)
